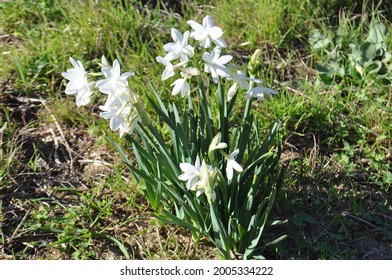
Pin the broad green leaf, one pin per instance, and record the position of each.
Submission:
(330, 70)
(317, 40)
(377, 33)
(368, 51)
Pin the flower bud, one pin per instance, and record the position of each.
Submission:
(255, 63)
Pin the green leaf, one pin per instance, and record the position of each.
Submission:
(377, 33)
(317, 40)
(220, 234)
(330, 70)
(373, 67)
(368, 51)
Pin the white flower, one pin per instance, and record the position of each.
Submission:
(180, 48)
(122, 117)
(240, 79)
(78, 84)
(215, 64)
(181, 85)
(259, 91)
(232, 164)
(169, 68)
(206, 183)
(207, 32)
(117, 99)
(191, 173)
(114, 83)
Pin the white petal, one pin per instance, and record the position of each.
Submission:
(195, 25)
(171, 56)
(215, 32)
(215, 53)
(167, 73)
(184, 42)
(81, 66)
(116, 69)
(220, 42)
(207, 57)
(176, 35)
(222, 71)
(208, 22)
(234, 153)
(197, 162)
(229, 172)
(224, 59)
(170, 47)
(186, 167)
(163, 61)
(178, 84)
(206, 43)
(236, 166)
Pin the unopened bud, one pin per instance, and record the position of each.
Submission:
(255, 63)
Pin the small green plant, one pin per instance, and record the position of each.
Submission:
(201, 165)
(350, 60)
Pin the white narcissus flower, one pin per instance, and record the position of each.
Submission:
(207, 32)
(180, 48)
(232, 164)
(206, 183)
(122, 117)
(216, 65)
(169, 67)
(78, 84)
(240, 80)
(114, 83)
(259, 91)
(191, 173)
(182, 85)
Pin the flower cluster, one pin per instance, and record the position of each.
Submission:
(118, 107)
(218, 66)
(193, 155)
(200, 178)
(214, 63)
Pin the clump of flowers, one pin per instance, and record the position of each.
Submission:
(216, 179)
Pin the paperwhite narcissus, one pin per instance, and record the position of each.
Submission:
(259, 91)
(115, 82)
(206, 183)
(182, 85)
(122, 117)
(78, 84)
(180, 48)
(215, 64)
(240, 80)
(232, 164)
(191, 173)
(169, 67)
(207, 32)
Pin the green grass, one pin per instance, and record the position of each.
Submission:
(64, 193)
